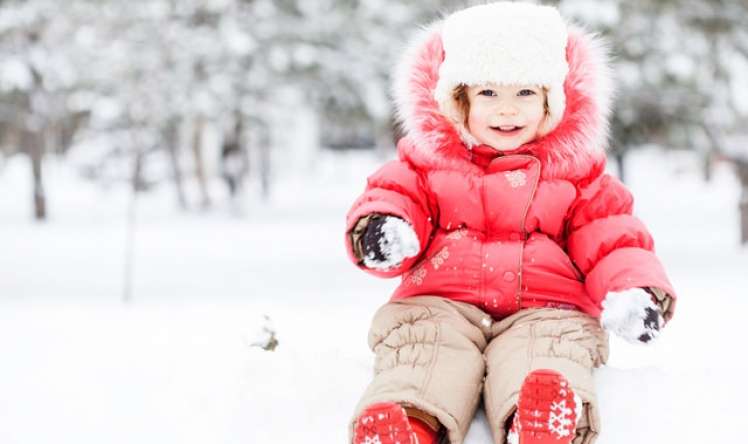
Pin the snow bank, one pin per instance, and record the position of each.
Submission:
(178, 365)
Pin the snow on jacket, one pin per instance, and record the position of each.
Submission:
(541, 226)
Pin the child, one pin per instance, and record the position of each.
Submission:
(513, 245)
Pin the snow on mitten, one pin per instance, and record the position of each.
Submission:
(632, 315)
(387, 241)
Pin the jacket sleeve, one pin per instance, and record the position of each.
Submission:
(613, 248)
(395, 189)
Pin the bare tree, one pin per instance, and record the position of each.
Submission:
(170, 137)
(741, 166)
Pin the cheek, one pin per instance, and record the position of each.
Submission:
(473, 116)
(478, 114)
(535, 114)
(472, 120)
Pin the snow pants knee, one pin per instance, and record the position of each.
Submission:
(435, 354)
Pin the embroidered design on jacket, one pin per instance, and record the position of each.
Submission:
(516, 178)
(417, 277)
(457, 234)
(439, 258)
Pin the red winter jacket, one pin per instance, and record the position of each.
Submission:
(541, 226)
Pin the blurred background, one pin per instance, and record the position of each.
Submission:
(219, 111)
(219, 100)
(167, 153)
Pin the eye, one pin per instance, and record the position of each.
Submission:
(526, 92)
(487, 93)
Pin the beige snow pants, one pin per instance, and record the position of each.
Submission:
(439, 356)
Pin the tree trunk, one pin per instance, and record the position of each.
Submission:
(742, 170)
(264, 162)
(137, 186)
(171, 139)
(744, 216)
(36, 141)
(36, 154)
(136, 180)
(197, 151)
(68, 128)
(234, 158)
(708, 165)
(710, 154)
(621, 165)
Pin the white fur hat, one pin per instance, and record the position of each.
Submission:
(505, 43)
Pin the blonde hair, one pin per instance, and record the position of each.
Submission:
(460, 96)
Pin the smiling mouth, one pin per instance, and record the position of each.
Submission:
(507, 130)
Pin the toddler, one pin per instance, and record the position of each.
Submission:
(517, 252)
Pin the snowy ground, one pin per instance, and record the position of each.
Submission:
(176, 365)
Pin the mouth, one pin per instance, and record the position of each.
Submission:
(507, 130)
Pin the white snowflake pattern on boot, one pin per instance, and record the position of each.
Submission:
(560, 419)
(547, 410)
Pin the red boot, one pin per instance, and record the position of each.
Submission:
(547, 410)
(387, 423)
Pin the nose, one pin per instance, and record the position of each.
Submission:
(506, 108)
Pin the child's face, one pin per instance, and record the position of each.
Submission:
(505, 117)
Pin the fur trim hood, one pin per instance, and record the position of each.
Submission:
(574, 150)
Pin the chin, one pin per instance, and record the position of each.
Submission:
(504, 146)
(504, 143)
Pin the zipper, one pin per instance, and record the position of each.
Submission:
(482, 283)
(524, 235)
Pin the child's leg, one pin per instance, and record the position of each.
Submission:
(569, 342)
(429, 357)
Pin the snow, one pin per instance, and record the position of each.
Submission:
(736, 146)
(624, 313)
(177, 364)
(398, 242)
(592, 12)
(14, 74)
(681, 66)
(266, 338)
(512, 437)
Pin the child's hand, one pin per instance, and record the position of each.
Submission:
(387, 241)
(632, 315)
